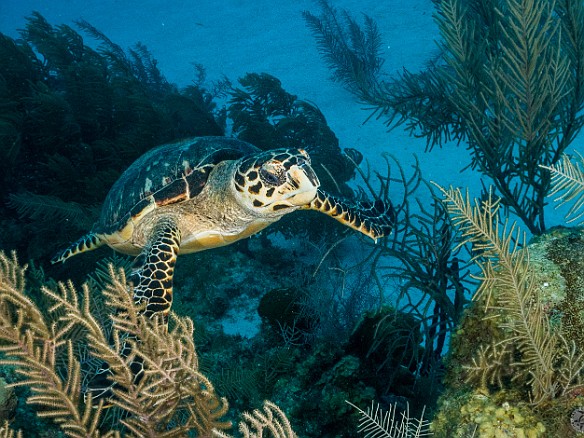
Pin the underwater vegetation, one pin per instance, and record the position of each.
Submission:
(172, 398)
(64, 178)
(508, 82)
(376, 423)
(516, 362)
(265, 115)
(262, 113)
(74, 117)
(327, 334)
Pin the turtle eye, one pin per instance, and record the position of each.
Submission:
(269, 177)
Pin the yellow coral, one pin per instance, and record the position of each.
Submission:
(488, 417)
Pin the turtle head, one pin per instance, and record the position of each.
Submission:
(276, 182)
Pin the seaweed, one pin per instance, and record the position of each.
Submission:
(531, 348)
(430, 268)
(352, 51)
(568, 186)
(174, 397)
(73, 118)
(374, 423)
(34, 341)
(508, 82)
(269, 117)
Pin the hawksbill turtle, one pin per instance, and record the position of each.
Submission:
(207, 192)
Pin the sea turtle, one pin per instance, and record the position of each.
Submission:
(204, 193)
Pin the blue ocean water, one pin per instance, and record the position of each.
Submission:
(232, 38)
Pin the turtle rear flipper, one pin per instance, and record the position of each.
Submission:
(88, 242)
(374, 219)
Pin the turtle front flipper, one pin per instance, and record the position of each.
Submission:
(151, 280)
(374, 219)
(154, 269)
(89, 242)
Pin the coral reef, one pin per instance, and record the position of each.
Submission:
(8, 401)
(508, 81)
(267, 116)
(526, 376)
(513, 92)
(375, 422)
(78, 121)
(77, 117)
(515, 363)
(486, 416)
(171, 398)
(82, 116)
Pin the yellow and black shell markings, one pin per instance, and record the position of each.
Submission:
(374, 219)
(166, 175)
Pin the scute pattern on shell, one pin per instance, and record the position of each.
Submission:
(167, 174)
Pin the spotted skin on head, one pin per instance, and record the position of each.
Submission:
(203, 193)
(265, 180)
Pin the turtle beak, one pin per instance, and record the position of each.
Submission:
(307, 169)
(303, 178)
(302, 185)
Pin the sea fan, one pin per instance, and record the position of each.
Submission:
(375, 423)
(568, 186)
(550, 363)
(352, 51)
(45, 207)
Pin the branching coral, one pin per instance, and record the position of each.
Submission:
(267, 116)
(509, 81)
(535, 351)
(6, 432)
(568, 186)
(77, 117)
(431, 269)
(172, 397)
(376, 423)
(269, 422)
(352, 51)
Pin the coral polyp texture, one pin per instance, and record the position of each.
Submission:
(517, 353)
(173, 398)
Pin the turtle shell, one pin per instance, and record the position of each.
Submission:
(165, 175)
